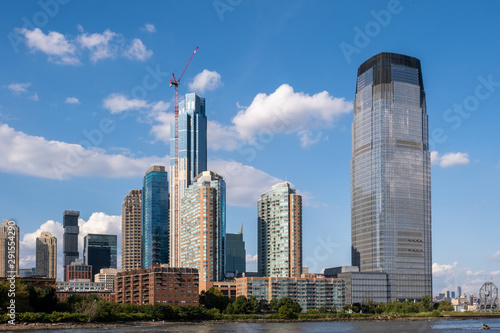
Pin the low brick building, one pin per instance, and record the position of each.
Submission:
(158, 284)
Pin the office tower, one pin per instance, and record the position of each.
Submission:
(46, 255)
(459, 291)
(99, 251)
(279, 232)
(9, 244)
(155, 228)
(132, 231)
(108, 276)
(192, 159)
(235, 254)
(203, 227)
(390, 175)
(70, 237)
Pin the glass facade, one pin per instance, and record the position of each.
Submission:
(155, 217)
(235, 254)
(70, 237)
(390, 175)
(99, 251)
(192, 153)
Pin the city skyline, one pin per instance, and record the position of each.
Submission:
(278, 81)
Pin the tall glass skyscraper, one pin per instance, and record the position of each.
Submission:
(235, 254)
(192, 153)
(99, 251)
(70, 237)
(155, 227)
(391, 175)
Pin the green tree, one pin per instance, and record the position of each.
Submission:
(214, 298)
(274, 304)
(445, 306)
(253, 304)
(240, 305)
(426, 303)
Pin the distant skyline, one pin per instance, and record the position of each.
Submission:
(85, 110)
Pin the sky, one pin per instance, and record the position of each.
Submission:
(85, 108)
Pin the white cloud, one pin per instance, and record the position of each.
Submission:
(245, 184)
(478, 273)
(138, 51)
(34, 97)
(307, 139)
(161, 130)
(495, 273)
(449, 159)
(72, 100)
(54, 44)
(99, 44)
(98, 223)
(251, 258)
(149, 28)
(285, 111)
(18, 88)
(440, 270)
(221, 137)
(32, 155)
(495, 256)
(206, 81)
(117, 103)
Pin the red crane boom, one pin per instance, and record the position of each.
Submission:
(175, 246)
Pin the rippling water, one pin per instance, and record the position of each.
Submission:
(441, 326)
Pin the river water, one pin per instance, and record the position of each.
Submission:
(420, 326)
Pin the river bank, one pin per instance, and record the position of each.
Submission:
(111, 325)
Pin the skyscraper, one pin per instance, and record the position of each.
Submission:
(203, 227)
(235, 254)
(46, 255)
(70, 237)
(9, 234)
(99, 251)
(390, 175)
(192, 153)
(155, 227)
(132, 231)
(279, 232)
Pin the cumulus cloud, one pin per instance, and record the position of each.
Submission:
(37, 156)
(98, 223)
(161, 130)
(117, 103)
(72, 100)
(245, 184)
(221, 137)
(149, 28)
(206, 81)
(307, 139)
(18, 88)
(99, 46)
(495, 256)
(251, 258)
(449, 159)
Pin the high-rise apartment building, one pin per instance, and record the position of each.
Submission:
(46, 255)
(132, 230)
(203, 227)
(78, 270)
(235, 254)
(9, 244)
(155, 226)
(192, 159)
(70, 237)
(100, 251)
(391, 175)
(279, 232)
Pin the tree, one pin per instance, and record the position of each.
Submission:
(214, 298)
(274, 304)
(445, 306)
(426, 303)
(240, 305)
(253, 304)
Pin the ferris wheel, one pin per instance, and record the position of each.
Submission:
(488, 296)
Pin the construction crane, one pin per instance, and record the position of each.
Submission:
(175, 82)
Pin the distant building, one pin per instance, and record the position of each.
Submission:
(235, 254)
(46, 255)
(452, 295)
(132, 230)
(158, 284)
(192, 160)
(155, 219)
(334, 271)
(70, 237)
(203, 227)
(279, 232)
(9, 244)
(108, 276)
(459, 291)
(27, 272)
(100, 251)
(309, 292)
(77, 270)
(80, 285)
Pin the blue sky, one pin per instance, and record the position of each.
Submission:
(85, 109)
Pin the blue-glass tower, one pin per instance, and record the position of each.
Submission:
(100, 251)
(192, 160)
(155, 217)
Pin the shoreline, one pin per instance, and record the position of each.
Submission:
(110, 325)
